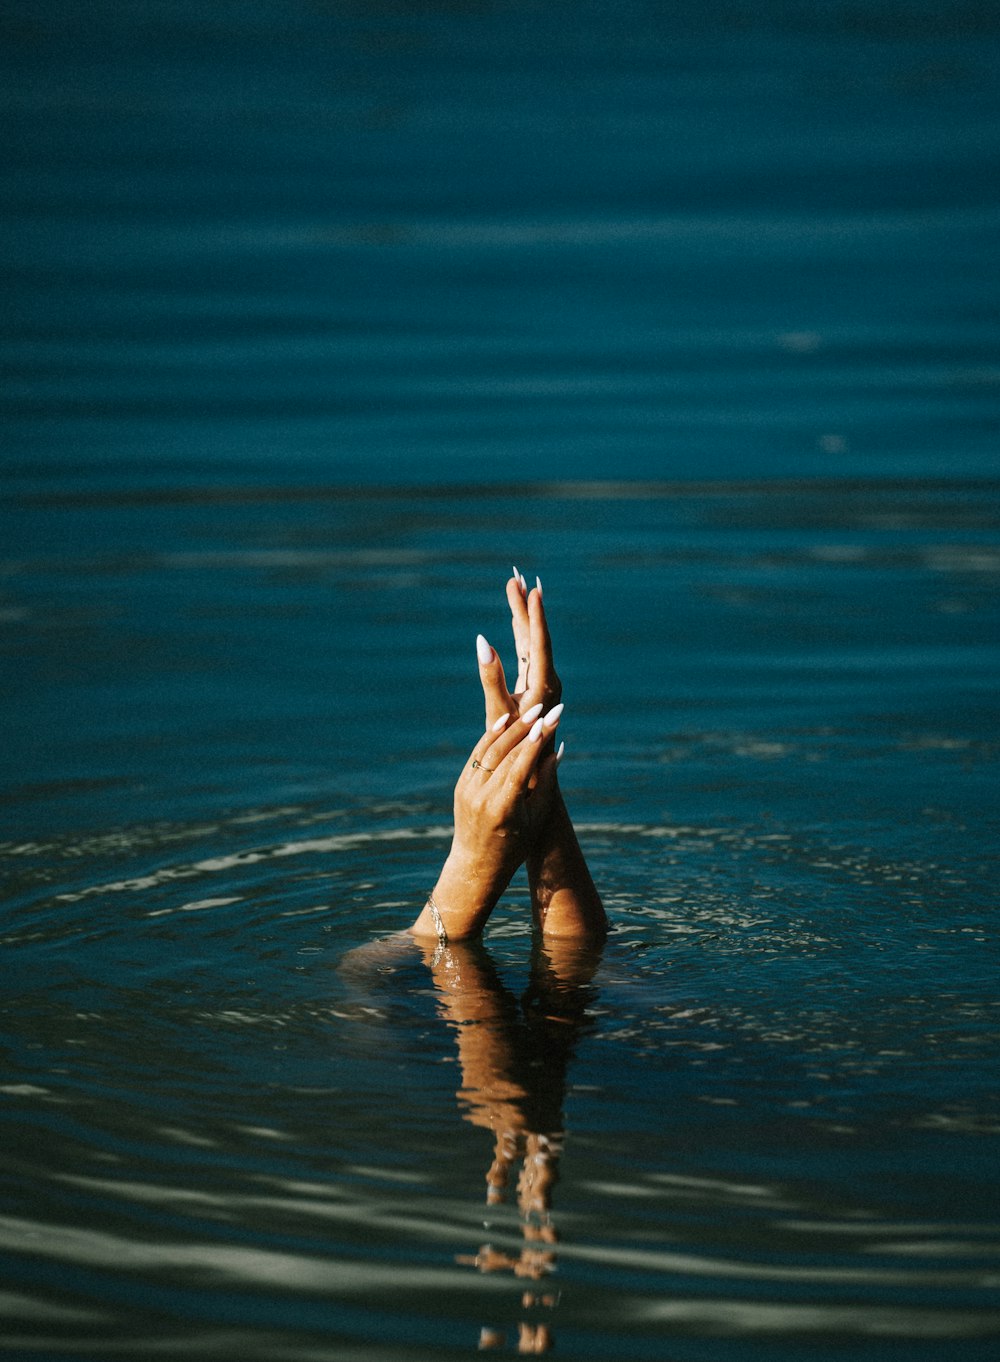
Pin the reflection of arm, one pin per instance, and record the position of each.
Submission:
(484, 1015)
(514, 1059)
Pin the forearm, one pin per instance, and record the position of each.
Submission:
(564, 899)
(467, 890)
(493, 824)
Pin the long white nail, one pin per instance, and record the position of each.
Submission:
(536, 731)
(524, 585)
(517, 575)
(538, 585)
(532, 713)
(552, 718)
(500, 723)
(559, 753)
(483, 650)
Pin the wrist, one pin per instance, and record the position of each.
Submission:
(484, 859)
(552, 832)
(564, 899)
(466, 891)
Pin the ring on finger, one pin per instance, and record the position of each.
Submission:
(478, 766)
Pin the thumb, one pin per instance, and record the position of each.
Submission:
(495, 692)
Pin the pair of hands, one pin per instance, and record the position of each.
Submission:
(507, 790)
(537, 682)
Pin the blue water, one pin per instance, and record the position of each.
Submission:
(420, 242)
(318, 316)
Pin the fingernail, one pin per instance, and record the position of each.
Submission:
(552, 718)
(500, 723)
(536, 731)
(517, 575)
(538, 585)
(532, 713)
(483, 650)
(524, 584)
(559, 754)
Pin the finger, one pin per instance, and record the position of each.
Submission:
(539, 642)
(491, 675)
(480, 760)
(516, 599)
(507, 738)
(502, 735)
(518, 765)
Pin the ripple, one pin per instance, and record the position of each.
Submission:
(742, 1318)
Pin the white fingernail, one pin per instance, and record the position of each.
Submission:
(517, 575)
(500, 723)
(524, 584)
(559, 754)
(538, 585)
(483, 650)
(536, 731)
(552, 718)
(532, 713)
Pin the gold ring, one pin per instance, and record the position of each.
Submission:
(478, 766)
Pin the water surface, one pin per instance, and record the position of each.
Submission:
(439, 242)
(770, 1107)
(316, 317)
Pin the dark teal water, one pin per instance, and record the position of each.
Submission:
(409, 241)
(318, 317)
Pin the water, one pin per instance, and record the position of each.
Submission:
(239, 730)
(318, 318)
(426, 242)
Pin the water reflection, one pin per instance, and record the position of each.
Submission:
(514, 1054)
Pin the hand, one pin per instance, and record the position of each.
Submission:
(504, 791)
(564, 901)
(537, 681)
(502, 796)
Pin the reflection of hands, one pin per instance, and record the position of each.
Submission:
(513, 1061)
(503, 795)
(513, 1056)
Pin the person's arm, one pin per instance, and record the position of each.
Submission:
(502, 797)
(564, 899)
